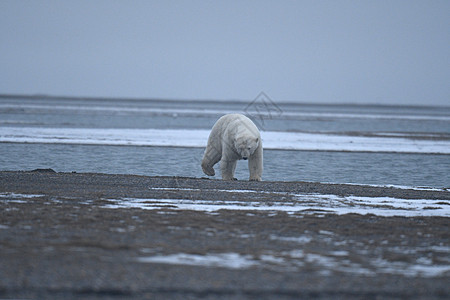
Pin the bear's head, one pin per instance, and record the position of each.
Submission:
(245, 146)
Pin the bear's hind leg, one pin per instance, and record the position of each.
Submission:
(228, 167)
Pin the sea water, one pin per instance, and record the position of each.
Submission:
(362, 144)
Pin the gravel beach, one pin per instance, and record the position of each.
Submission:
(101, 236)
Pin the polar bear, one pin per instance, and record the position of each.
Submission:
(234, 137)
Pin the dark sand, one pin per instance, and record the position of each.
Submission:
(66, 245)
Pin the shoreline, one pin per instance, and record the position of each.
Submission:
(364, 190)
(98, 236)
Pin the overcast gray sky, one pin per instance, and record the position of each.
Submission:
(386, 52)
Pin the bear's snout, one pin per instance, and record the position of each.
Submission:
(244, 158)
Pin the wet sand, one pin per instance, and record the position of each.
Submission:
(61, 238)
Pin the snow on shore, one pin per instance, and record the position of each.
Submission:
(304, 203)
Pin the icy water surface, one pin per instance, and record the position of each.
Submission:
(327, 143)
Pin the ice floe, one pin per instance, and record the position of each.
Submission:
(198, 138)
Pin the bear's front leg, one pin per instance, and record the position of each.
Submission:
(255, 164)
(210, 158)
(228, 167)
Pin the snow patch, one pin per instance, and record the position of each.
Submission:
(303, 203)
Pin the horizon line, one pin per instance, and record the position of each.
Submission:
(282, 102)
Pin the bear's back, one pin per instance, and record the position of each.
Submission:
(236, 122)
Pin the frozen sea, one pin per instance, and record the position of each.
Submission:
(379, 145)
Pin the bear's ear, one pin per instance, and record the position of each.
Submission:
(257, 139)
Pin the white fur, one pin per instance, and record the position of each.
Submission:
(234, 137)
